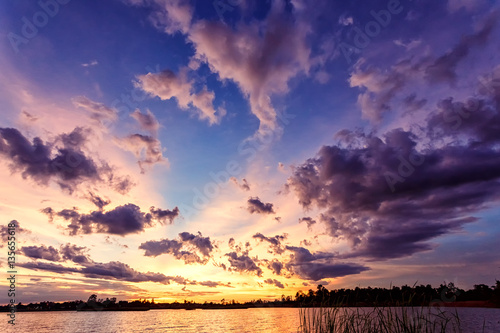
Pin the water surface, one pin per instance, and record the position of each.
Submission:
(210, 321)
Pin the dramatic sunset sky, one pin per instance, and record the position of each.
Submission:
(236, 149)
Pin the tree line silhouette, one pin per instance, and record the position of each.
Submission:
(421, 295)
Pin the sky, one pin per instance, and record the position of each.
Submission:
(231, 149)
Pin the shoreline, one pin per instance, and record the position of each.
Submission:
(458, 304)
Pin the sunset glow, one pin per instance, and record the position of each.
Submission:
(208, 150)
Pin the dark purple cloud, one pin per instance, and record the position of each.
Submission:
(257, 206)
(89, 268)
(390, 195)
(69, 166)
(189, 248)
(213, 284)
(275, 266)
(308, 220)
(111, 270)
(74, 253)
(380, 87)
(275, 282)
(156, 248)
(56, 268)
(444, 67)
(121, 220)
(41, 252)
(4, 231)
(243, 263)
(203, 244)
(67, 252)
(65, 164)
(319, 265)
(275, 242)
(98, 201)
(163, 215)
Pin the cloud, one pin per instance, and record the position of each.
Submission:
(242, 263)
(121, 220)
(5, 233)
(410, 45)
(468, 5)
(275, 266)
(257, 206)
(379, 87)
(162, 215)
(260, 57)
(56, 268)
(167, 85)
(443, 69)
(147, 121)
(26, 116)
(203, 244)
(388, 198)
(346, 20)
(67, 252)
(274, 241)
(308, 220)
(170, 16)
(244, 184)
(90, 64)
(98, 111)
(213, 284)
(95, 199)
(111, 270)
(319, 265)
(91, 269)
(146, 148)
(74, 253)
(189, 248)
(62, 160)
(69, 166)
(41, 252)
(275, 282)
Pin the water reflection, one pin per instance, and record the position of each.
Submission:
(249, 320)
